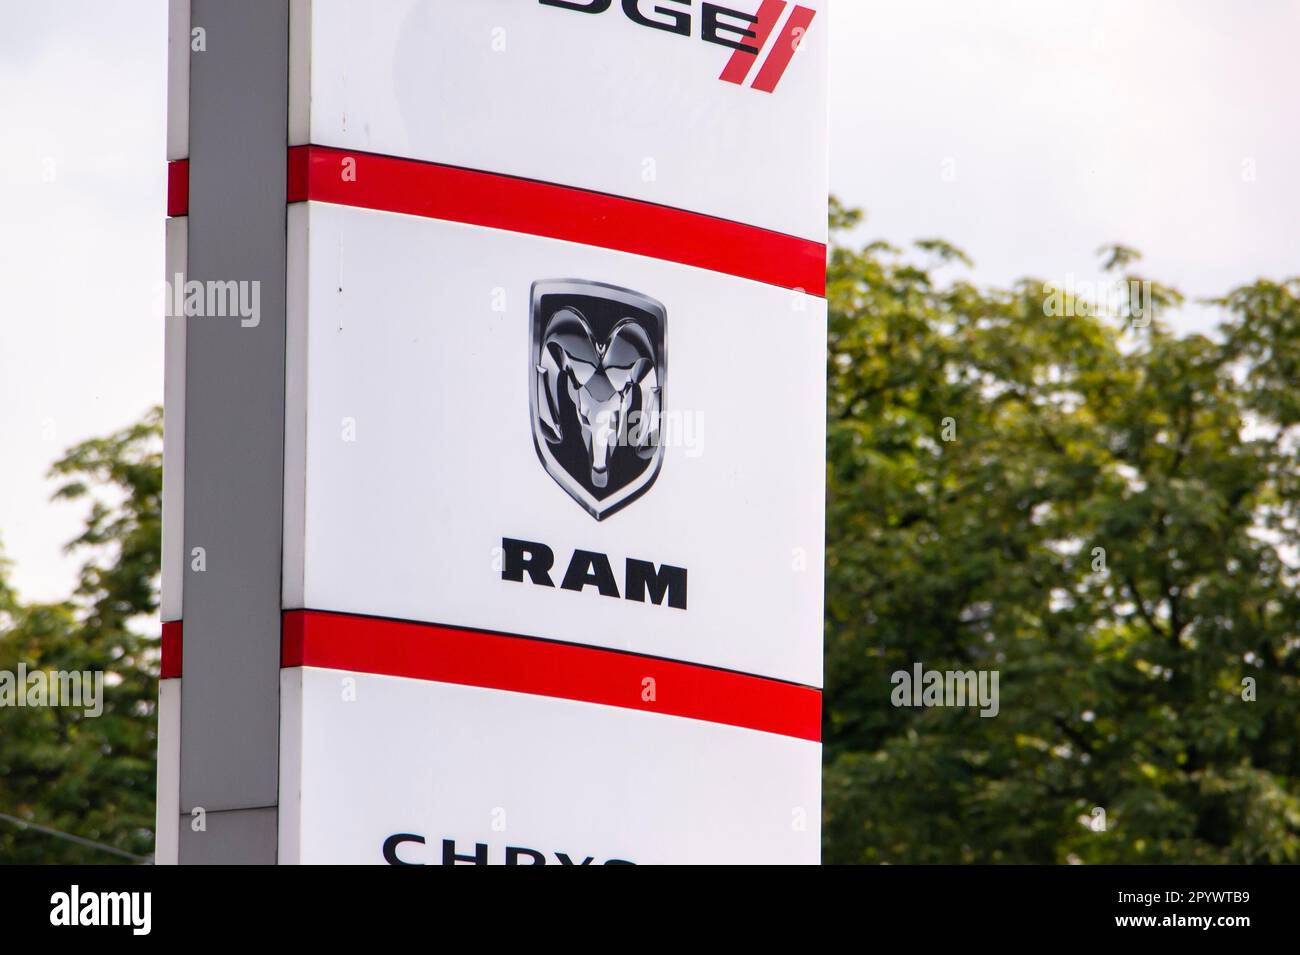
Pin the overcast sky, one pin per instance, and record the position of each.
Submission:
(1027, 132)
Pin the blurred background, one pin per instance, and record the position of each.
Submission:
(1064, 344)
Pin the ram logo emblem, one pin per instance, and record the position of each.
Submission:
(597, 363)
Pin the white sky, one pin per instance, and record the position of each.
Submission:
(1061, 125)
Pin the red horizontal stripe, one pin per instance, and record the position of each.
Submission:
(453, 194)
(299, 164)
(544, 668)
(172, 634)
(178, 187)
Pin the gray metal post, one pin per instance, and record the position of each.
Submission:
(234, 430)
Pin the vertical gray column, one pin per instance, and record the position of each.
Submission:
(234, 429)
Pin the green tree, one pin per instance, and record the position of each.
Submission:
(91, 776)
(1096, 509)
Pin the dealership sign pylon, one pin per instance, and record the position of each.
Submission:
(494, 468)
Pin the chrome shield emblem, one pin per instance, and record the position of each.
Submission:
(597, 363)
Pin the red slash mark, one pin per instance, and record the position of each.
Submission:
(782, 52)
(779, 59)
(742, 60)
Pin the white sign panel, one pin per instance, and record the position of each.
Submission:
(554, 460)
(421, 463)
(645, 99)
(505, 777)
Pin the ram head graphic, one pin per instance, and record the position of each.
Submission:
(597, 390)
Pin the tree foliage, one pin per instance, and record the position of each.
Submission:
(92, 776)
(1113, 528)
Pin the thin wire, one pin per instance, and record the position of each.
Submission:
(79, 840)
